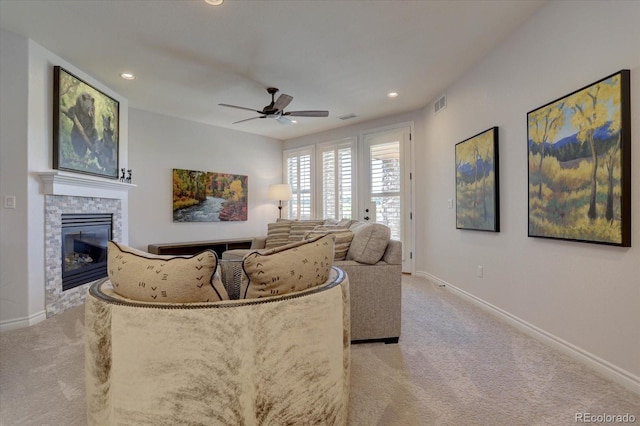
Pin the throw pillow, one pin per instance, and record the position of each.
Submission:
(300, 227)
(146, 277)
(347, 222)
(287, 269)
(369, 243)
(343, 238)
(278, 234)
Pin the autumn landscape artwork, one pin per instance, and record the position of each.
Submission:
(477, 199)
(200, 196)
(579, 165)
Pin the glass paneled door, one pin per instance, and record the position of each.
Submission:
(386, 185)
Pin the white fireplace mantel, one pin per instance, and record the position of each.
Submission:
(64, 183)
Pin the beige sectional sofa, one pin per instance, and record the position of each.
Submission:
(372, 260)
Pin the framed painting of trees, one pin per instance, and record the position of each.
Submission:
(477, 189)
(580, 165)
(209, 196)
(85, 127)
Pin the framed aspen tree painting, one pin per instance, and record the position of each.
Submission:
(477, 195)
(580, 165)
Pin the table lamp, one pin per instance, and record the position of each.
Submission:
(280, 192)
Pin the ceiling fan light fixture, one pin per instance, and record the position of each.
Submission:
(276, 109)
(214, 2)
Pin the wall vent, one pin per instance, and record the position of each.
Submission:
(347, 116)
(440, 104)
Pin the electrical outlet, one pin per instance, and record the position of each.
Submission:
(480, 271)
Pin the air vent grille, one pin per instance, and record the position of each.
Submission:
(347, 116)
(440, 104)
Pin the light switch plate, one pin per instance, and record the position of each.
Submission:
(9, 201)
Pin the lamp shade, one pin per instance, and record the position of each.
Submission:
(280, 192)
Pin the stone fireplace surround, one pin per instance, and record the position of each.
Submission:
(73, 193)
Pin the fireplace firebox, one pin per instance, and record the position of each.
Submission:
(84, 248)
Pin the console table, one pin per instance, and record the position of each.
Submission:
(219, 246)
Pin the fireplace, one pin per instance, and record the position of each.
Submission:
(75, 194)
(84, 248)
(58, 299)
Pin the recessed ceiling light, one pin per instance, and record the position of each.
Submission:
(128, 76)
(392, 94)
(214, 2)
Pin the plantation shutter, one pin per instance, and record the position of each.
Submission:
(298, 170)
(337, 180)
(385, 184)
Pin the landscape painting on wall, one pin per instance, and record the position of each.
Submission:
(580, 165)
(85, 127)
(208, 196)
(477, 195)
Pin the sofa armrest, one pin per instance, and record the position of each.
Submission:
(259, 242)
(393, 253)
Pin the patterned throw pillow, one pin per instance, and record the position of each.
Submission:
(146, 277)
(287, 269)
(300, 227)
(343, 238)
(278, 234)
(369, 242)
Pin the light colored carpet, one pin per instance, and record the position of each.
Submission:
(455, 365)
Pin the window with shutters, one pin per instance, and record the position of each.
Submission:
(298, 174)
(336, 181)
(332, 180)
(385, 184)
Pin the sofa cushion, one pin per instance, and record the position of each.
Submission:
(147, 277)
(343, 238)
(369, 242)
(300, 227)
(342, 222)
(290, 268)
(278, 234)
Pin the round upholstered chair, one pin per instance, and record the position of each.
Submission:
(271, 361)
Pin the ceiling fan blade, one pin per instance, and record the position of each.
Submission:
(239, 107)
(307, 113)
(247, 119)
(282, 102)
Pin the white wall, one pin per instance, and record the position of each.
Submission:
(26, 143)
(160, 143)
(14, 73)
(354, 130)
(585, 296)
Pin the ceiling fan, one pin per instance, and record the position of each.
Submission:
(276, 109)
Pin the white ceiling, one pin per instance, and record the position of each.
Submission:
(342, 56)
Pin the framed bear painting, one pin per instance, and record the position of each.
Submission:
(85, 127)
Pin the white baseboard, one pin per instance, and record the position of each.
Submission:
(609, 370)
(16, 323)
